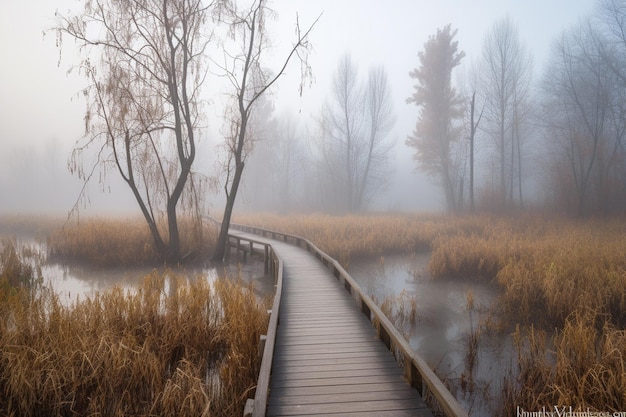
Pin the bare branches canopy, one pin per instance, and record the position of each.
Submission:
(354, 147)
(144, 64)
(251, 81)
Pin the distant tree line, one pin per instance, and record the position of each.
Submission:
(569, 130)
(341, 163)
(493, 138)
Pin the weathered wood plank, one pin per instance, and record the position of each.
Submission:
(377, 379)
(400, 394)
(338, 366)
(411, 406)
(280, 393)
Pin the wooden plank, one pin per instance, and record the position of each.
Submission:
(304, 356)
(280, 393)
(423, 412)
(401, 394)
(327, 359)
(370, 379)
(329, 349)
(407, 405)
(302, 370)
(350, 373)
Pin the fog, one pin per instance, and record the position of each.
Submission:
(41, 108)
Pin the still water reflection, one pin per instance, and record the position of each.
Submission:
(73, 282)
(448, 311)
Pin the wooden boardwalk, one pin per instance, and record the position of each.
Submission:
(328, 359)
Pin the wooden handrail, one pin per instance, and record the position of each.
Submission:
(263, 383)
(416, 370)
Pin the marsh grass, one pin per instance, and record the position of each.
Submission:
(173, 346)
(354, 236)
(401, 309)
(581, 366)
(122, 242)
(19, 269)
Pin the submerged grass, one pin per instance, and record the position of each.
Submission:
(173, 346)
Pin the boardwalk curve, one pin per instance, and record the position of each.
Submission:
(327, 358)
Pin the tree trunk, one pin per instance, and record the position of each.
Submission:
(472, 135)
(220, 248)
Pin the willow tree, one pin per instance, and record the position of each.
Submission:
(143, 60)
(440, 107)
(245, 69)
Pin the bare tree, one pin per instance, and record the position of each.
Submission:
(250, 81)
(144, 63)
(275, 170)
(505, 83)
(355, 123)
(381, 119)
(583, 99)
(440, 107)
(474, 124)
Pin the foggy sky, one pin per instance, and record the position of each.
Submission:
(41, 110)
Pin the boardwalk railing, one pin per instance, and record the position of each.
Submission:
(416, 371)
(274, 265)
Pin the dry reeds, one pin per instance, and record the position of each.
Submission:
(354, 236)
(173, 346)
(581, 366)
(106, 242)
(401, 309)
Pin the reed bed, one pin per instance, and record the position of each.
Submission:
(174, 346)
(354, 236)
(581, 366)
(105, 242)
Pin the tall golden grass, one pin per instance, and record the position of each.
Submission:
(580, 366)
(354, 236)
(175, 346)
(122, 242)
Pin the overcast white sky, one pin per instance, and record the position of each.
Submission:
(40, 117)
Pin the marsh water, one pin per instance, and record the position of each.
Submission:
(73, 281)
(448, 312)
